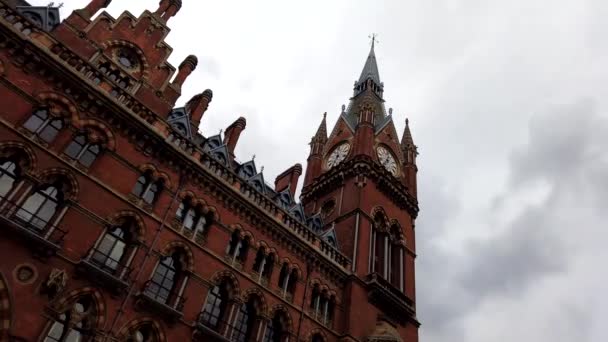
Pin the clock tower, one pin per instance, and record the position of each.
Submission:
(362, 180)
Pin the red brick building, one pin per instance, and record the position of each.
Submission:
(119, 221)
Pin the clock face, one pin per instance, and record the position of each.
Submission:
(338, 155)
(387, 160)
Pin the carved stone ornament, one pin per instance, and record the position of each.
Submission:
(55, 283)
(384, 332)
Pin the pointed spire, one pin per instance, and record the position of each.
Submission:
(407, 141)
(370, 70)
(321, 134)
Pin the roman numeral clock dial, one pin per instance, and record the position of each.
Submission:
(337, 155)
(387, 160)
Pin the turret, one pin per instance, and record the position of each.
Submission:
(317, 143)
(410, 151)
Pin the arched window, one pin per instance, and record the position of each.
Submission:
(147, 188)
(192, 218)
(44, 125)
(9, 173)
(322, 305)
(287, 281)
(115, 249)
(74, 324)
(317, 338)
(82, 150)
(263, 264)
(276, 329)
(238, 247)
(215, 307)
(163, 287)
(41, 206)
(245, 321)
(144, 333)
(396, 267)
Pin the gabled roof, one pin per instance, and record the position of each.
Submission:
(180, 120)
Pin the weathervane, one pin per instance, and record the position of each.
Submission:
(374, 38)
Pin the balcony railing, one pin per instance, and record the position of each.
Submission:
(37, 231)
(106, 271)
(153, 298)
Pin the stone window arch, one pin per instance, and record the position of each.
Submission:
(169, 279)
(148, 187)
(16, 160)
(238, 247)
(193, 218)
(142, 330)
(116, 247)
(214, 314)
(278, 327)
(46, 203)
(247, 320)
(44, 124)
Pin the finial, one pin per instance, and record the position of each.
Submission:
(324, 115)
(262, 169)
(343, 108)
(374, 38)
(390, 111)
(253, 158)
(221, 131)
(407, 122)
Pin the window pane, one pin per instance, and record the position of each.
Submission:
(35, 121)
(88, 157)
(30, 207)
(8, 174)
(75, 146)
(49, 132)
(54, 333)
(189, 220)
(140, 186)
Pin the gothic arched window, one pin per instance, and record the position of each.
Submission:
(115, 248)
(82, 150)
(276, 329)
(163, 286)
(215, 306)
(192, 218)
(74, 324)
(245, 321)
(238, 247)
(44, 125)
(147, 188)
(41, 206)
(317, 338)
(9, 173)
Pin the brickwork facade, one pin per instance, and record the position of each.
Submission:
(119, 221)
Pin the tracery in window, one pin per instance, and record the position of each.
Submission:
(264, 264)
(45, 126)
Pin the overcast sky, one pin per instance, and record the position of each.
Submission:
(507, 102)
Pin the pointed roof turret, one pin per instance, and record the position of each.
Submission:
(321, 134)
(370, 69)
(407, 141)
